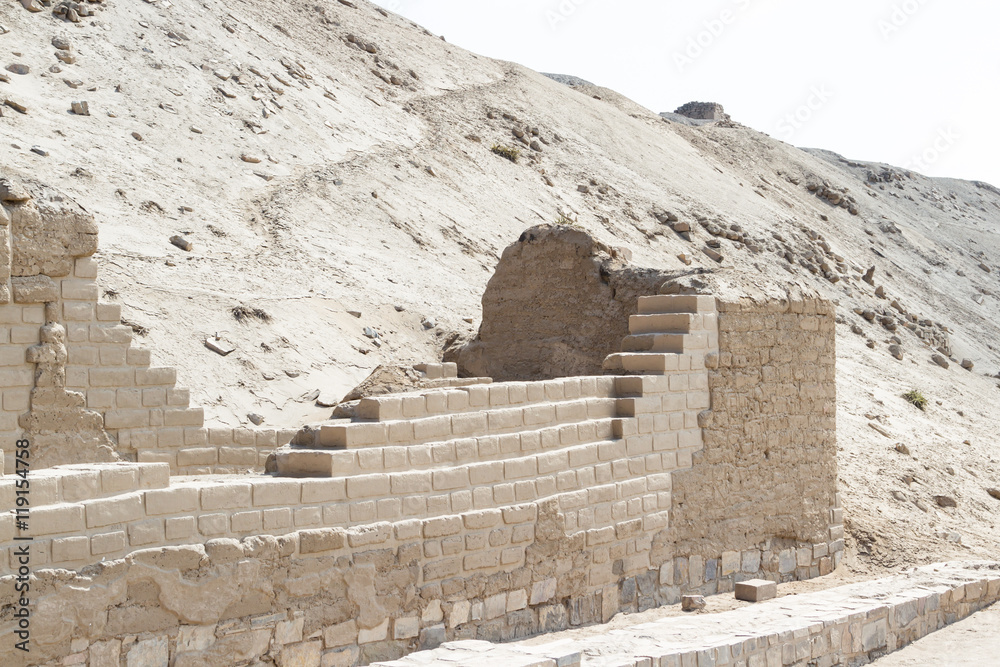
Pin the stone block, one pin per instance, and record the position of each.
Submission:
(756, 590)
(34, 289)
(110, 511)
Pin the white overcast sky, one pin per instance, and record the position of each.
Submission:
(915, 83)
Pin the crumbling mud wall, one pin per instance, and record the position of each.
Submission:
(73, 382)
(487, 511)
(556, 306)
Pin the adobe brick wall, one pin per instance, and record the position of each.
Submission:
(101, 398)
(488, 512)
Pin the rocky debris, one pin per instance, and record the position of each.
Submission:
(38, 150)
(252, 159)
(18, 68)
(994, 493)
(945, 501)
(902, 449)
(878, 429)
(255, 418)
(692, 602)
(196, 130)
(81, 108)
(13, 192)
(685, 258)
(984, 267)
(940, 360)
(358, 43)
(219, 345)
(968, 364)
(896, 351)
(713, 254)
(703, 111)
(869, 276)
(835, 197)
(31, 5)
(137, 136)
(67, 57)
(182, 243)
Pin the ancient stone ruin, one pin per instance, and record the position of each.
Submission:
(703, 111)
(702, 455)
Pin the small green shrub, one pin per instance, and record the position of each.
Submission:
(563, 220)
(508, 152)
(915, 398)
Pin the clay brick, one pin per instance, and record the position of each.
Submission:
(213, 524)
(270, 492)
(227, 495)
(145, 532)
(431, 427)
(155, 376)
(80, 290)
(106, 312)
(182, 416)
(246, 522)
(85, 267)
(411, 482)
(442, 526)
(367, 486)
(238, 456)
(56, 519)
(79, 311)
(109, 511)
(197, 456)
(756, 590)
(136, 356)
(107, 543)
(68, 549)
(111, 377)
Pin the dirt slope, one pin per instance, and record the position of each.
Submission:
(384, 198)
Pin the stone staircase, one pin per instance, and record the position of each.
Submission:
(456, 426)
(667, 333)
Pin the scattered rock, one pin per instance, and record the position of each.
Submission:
(585, 189)
(940, 361)
(880, 292)
(968, 364)
(681, 227)
(945, 501)
(252, 159)
(869, 276)
(11, 191)
(855, 329)
(66, 57)
(902, 449)
(429, 323)
(182, 243)
(355, 313)
(219, 345)
(896, 351)
(292, 373)
(994, 493)
(222, 74)
(981, 265)
(692, 602)
(137, 136)
(257, 419)
(878, 429)
(16, 106)
(38, 150)
(713, 254)
(309, 396)
(31, 5)
(371, 333)
(685, 258)
(18, 68)
(80, 108)
(196, 130)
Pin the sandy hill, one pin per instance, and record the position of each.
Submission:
(324, 158)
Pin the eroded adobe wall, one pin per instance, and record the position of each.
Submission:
(768, 472)
(557, 305)
(73, 383)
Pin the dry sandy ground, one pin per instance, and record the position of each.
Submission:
(387, 200)
(972, 642)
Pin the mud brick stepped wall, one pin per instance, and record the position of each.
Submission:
(486, 512)
(72, 380)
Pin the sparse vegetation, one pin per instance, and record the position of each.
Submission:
(110, 294)
(137, 329)
(508, 152)
(563, 220)
(244, 314)
(915, 398)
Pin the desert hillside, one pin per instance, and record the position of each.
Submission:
(331, 169)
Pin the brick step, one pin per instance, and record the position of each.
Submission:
(676, 303)
(304, 461)
(680, 323)
(644, 362)
(492, 421)
(477, 397)
(74, 483)
(671, 343)
(621, 471)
